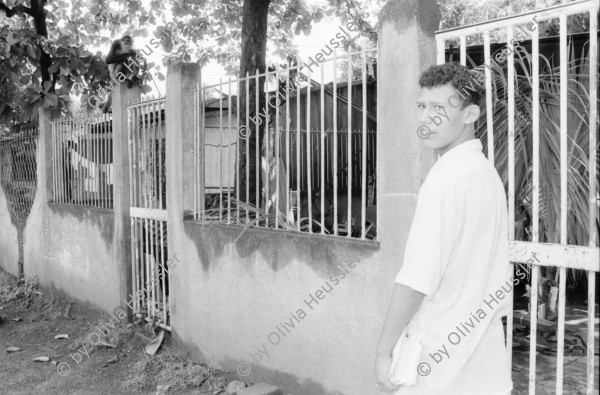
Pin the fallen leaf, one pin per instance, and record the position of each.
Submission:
(114, 359)
(154, 345)
(16, 319)
(54, 363)
(105, 344)
(62, 336)
(42, 359)
(13, 349)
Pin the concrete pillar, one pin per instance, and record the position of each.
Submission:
(45, 176)
(181, 80)
(46, 155)
(121, 98)
(180, 168)
(406, 48)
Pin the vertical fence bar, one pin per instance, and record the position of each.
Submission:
(488, 96)
(105, 140)
(153, 137)
(287, 146)
(308, 152)
(277, 131)
(60, 167)
(463, 50)
(197, 208)
(564, 86)
(77, 159)
(133, 164)
(107, 153)
(363, 207)
(97, 154)
(257, 122)
(247, 144)
(165, 273)
(441, 50)
(220, 150)
(54, 173)
(267, 145)
(237, 152)
(132, 224)
(335, 146)
(298, 143)
(535, 270)
(322, 164)
(162, 158)
(593, 184)
(229, 180)
(349, 163)
(68, 171)
(68, 167)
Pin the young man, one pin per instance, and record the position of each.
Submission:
(453, 286)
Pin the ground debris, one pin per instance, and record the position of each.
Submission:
(41, 359)
(154, 345)
(13, 349)
(114, 359)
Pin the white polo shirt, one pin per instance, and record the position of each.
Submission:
(457, 255)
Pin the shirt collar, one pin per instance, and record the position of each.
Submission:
(459, 150)
(462, 148)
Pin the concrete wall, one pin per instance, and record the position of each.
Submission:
(243, 299)
(81, 251)
(9, 244)
(302, 311)
(69, 247)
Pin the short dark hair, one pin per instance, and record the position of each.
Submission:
(469, 89)
(126, 38)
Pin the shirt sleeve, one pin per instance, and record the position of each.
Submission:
(432, 236)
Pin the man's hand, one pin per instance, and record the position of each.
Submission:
(382, 371)
(404, 304)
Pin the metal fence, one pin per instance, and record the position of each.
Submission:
(560, 105)
(147, 187)
(18, 172)
(82, 164)
(277, 151)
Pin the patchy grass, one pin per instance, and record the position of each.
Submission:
(171, 372)
(12, 289)
(32, 318)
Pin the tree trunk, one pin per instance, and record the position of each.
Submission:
(39, 18)
(254, 48)
(36, 10)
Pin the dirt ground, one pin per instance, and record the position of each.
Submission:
(117, 363)
(31, 320)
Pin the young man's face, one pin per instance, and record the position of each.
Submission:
(443, 124)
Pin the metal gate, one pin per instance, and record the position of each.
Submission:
(512, 78)
(148, 211)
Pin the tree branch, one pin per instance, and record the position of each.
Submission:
(15, 10)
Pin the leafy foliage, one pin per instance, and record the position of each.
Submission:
(578, 132)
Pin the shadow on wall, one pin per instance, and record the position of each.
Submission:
(278, 248)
